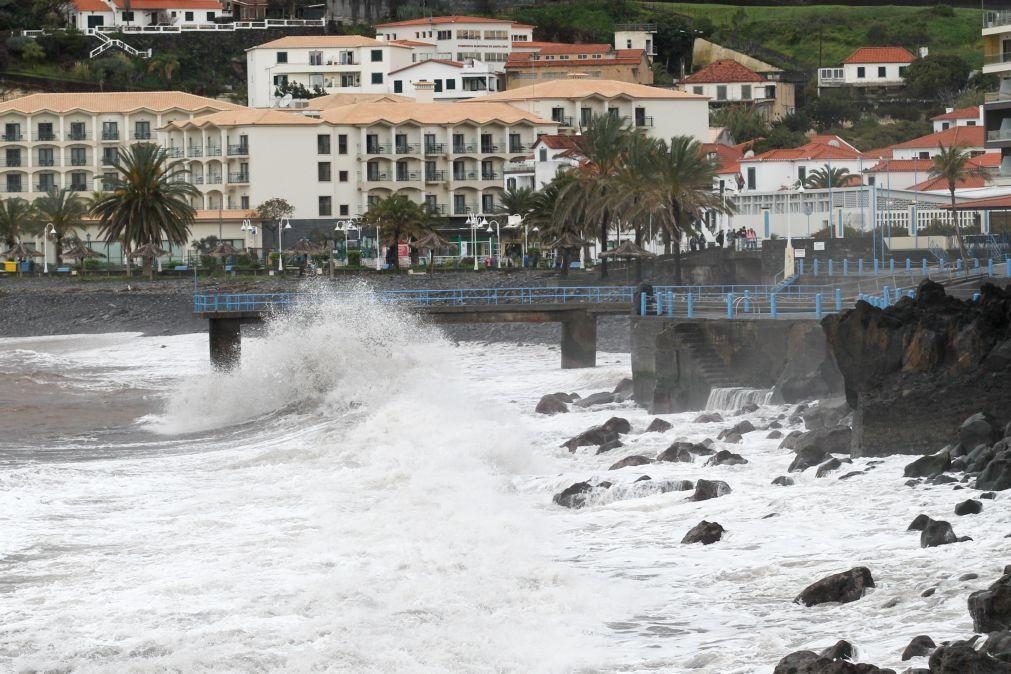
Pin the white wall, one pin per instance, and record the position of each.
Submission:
(492, 51)
(444, 74)
(734, 91)
(871, 74)
(775, 175)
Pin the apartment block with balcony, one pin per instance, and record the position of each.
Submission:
(72, 140)
(462, 38)
(327, 63)
(727, 82)
(447, 156)
(997, 108)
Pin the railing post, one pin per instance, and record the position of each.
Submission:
(814, 267)
(691, 305)
(670, 303)
(659, 304)
(891, 265)
(886, 294)
(830, 266)
(846, 267)
(838, 300)
(772, 305)
(730, 305)
(747, 301)
(817, 306)
(923, 263)
(976, 260)
(989, 267)
(860, 266)
(875, 265)
(800, 266)
(909, 265)
(898, 294)
(642, 304)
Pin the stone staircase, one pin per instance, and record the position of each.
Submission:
(705, 359)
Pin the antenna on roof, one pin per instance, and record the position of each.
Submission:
(286, 101)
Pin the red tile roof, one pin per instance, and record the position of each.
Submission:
(810, 151)
(559, 142)
(961, 113)
(881, 55)
(1001, 203)
(727, 157)
(141, 5)
(937, 184)
(903, 166)
(91, 6)
(438, 20)
(412, 43)
(571, 48)
(956, 136)
(725, 70)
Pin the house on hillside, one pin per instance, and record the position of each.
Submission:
(727, 82)
(785, 168)
(971, 116)
(914, 174)
(453, 80)
(537, 62)
(873, 69)
(969, 138)
(462, 38)
(84, 14)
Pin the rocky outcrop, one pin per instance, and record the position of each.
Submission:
(919, 646)
(929, 465)
(937, 533)
(839, 587)
(602, 398)
(812, 456)
(577, 495)
(826, 414)
(659, 426)
(991, 608)
(726, 458)
(704, 532)
(831, 465)
(962, 658)
(916, 370)
(809, 662)
(707, 489)
(969, 507)
(708, 418)
(835, 440)
(634, 460)
(684, 452)
(783, 481)
(601, 435)
(552, 404)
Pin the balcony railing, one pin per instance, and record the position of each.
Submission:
(489, 175)
(213, 150)
(78, 161)
(408, 176)
(464, 148)
(46, 161)
(435, 209)
(194, 151)
(488, 148)
(465, 175)
(377, 177)
(110, 135)
(464, 209)
(78, 135)
(142, 135)
(238, 150)
(13, 188)
(238, 178)
(991, 59)
(995, 18)
(13, 162)
(435, 148)
(109, 160)
(407, 148)
(435, 176)
(214, 179)
(78, 187)
(42, 187)
(562, 120)
(375, 148)
(998, 134)
(13, 137)
(519, 167)
(518, 147)
(174, 152)
(644, 121)
(46, 137)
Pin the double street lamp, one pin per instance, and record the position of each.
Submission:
(282, 225)
(49, 230)
(498, 238)
(474, 222)
(346, 226)
(249, 232)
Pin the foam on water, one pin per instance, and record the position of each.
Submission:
(734, 398)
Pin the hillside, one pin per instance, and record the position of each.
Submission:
(800, 32)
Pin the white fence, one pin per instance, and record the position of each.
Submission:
(262, 24)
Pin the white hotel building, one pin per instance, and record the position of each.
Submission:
(462, 38)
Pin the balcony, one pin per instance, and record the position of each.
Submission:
(489, 176)
(213, 150)
(46, 187)
(435, 176)
(465, 175)
(997, 18)
(377, 177)
(197, 180)
(464, 209)
(214, 179)
(644, 121)
(78, 161)
(46, 161)
(174, 152)
(109, 160)
(408, 176)
(45, 137)
(110, 135)
(435, 209)
(489, 148)
(407, 148)
(998, 135)
(516, 148)
(464, 148)
(519, 167)
(78, 187)
(13, 137)
(142, 135)
(10, 162)
(375, 148)
(13, 188)
(435, 148)
(562, 120)
(831, 77)
(194, 151)
(236, 178)
(238, 150)
(991, 59)
(78, 135)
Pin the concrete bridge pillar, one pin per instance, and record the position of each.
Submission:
(579, 340)
(225, 341)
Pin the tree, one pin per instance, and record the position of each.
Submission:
(17, 218)
(164, 66)
(399, 219)
(952, 166)
(831, 109)
(554, 219)
(274, 210)
(744, 122)
(149, 201)
(520, 201)
(936, 78)
(64, 210)
(827, 177)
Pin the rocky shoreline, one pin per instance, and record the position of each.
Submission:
(41, 307)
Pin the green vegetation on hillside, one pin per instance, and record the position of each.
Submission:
(834, 31)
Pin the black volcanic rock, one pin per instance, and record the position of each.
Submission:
(969, 507)
(839, 587)
(634, 460)
(807, 458)
(603, 434)
(929, 466)
(658, 425)
(832, 464)
(726, 458)
(991, 608)
(919, 646)
(551, 404)
(919, 523)
(707, 489)
(783, 481)
(937, 532)
(704, 532)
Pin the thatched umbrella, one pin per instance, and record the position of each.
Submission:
(304, 247)
(627, 250)
(80, 252)
(21, 250)
(224, 249)
(148, 252)
(567, 242)
(429, 241)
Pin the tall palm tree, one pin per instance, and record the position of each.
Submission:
(952, 166)
(827, 177)
(519, 201)
(683, 190)
(633, 200)
(64, 210)
(149, 201)
(399, 219)
(554, 218)
(17, 218)
(603, 147)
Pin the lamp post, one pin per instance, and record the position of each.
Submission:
(498, 238)
(49, 229)
(282, 225)
(379, 257)
(474, 223)
(346, 226)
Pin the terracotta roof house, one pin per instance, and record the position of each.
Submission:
(727, 82)
(875, 68)
(595, 61)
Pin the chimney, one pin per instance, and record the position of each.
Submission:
(424, 91)
(923, 52)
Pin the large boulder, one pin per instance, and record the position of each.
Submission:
(684, 452)
(919, 646)
(979, 429)
(929, 465)
(726, 458)
(835, 440)
(578, 494)
(919, 523)
(839, 587)
(707, 489)
(791, 439)
(602, 398)
(937, 532)
(783, 481)
(658, 425)
(704, 532)
(634, 460)
(969, 507)
(734, 433)
(991, 608)
(998, 644)
(826, 414)
(831, 465)
(962, 658)
(808, 662)
(807, 458)
(708, 418)
(996, 476)
(551, 404)
(603, 434)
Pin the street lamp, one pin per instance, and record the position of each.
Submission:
(50, 229)
(346, 226)
(498, 237)
(474, 222)
(282, 225)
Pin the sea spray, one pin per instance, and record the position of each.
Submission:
(735, 397)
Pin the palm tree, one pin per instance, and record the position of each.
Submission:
(826, 177)
(149, 201)
(951, 164)
(556, 219)
(17, 218)
(64, 210)
(164, 65)
(399, 219)
(603, 147)
(683, 190)
(519, 201)
(634, 197)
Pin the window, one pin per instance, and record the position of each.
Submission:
(315, 58)
(398, 86)
(13, 182)
(323, 171)
(13, 157)
(468, 35)
(459, 203)
(585, 115)
(315, 81)
(377, 78)
(944, 126)
(971, 122)
(77, 131)
(280, 80)
(438, 85)
(377, 55)
(861, 72)
(752, 178)
(721, 92)
(110, 156)
(325, 206)
(882, 72)
(542, 154)
(282, 57)
(244, 202)
(323, 144)
(142, 130)
(47, 181)
(444, 35)
(211, 16)
(342, 143)
(698, 91)
(902, 70)
(496, 35)
(520, 38)
(870, 180)
(127, 16)
(110, 131)
(188, 16)
(450, 85)
(46, 131)
(802, 173)
(344, 209)
(79, 182)
(924, 155)
(342, 176)
(745, 92)
(78, 156)
(487, 203)
(557, 114)
(46, 157)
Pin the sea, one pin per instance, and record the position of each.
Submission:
(362, 494)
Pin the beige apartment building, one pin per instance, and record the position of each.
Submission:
(70, 140)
